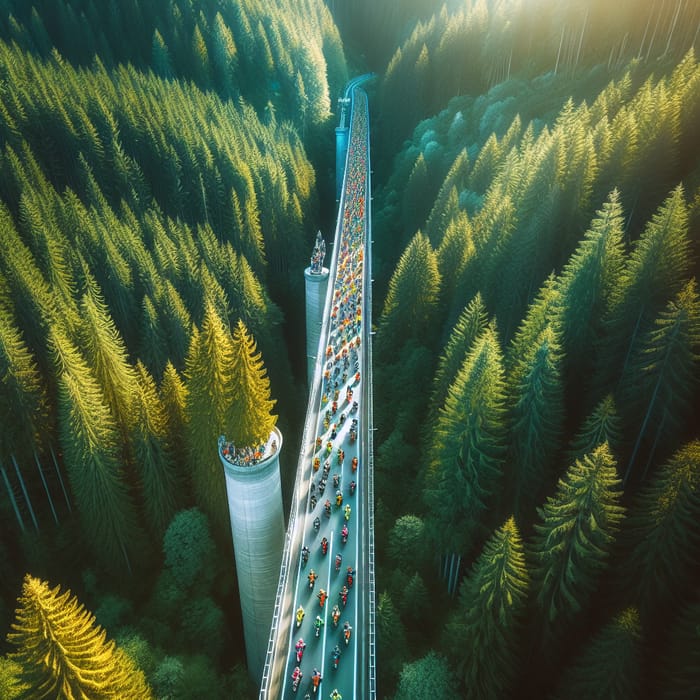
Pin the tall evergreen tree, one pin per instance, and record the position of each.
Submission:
(91, 450)
(250, 419)
(658, 387)
(487, 622)
(609, 665)
(466, 458)
(173, 394)
(537, 418)
(64, 653)
(661, 529)
(574, 539)
(154, 466)
(602, 425)
(411, 299)
(209, 375)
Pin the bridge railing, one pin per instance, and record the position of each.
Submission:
(282, 611)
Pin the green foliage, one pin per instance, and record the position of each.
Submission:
(492, 601)
(11, 687)
(678, 668)
(602, 425)
(407, 543)
(609, 665)
(468, 448)
(63, 652)
(574, 538)
(189, 549)
(428, 678)
(391, 639)
(412, 297)
(665, 545)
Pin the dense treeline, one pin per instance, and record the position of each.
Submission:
(285, 55)
(157, 204)
(468, 47)
(547, 292)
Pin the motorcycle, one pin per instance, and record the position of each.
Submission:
(351, 574)
(335, 615)
(304, 554)
(335, 655)
(296, 679)
(317, 524)
(324, 546)
(316, 679)
(344, 534)
(322, 595)
(312, 502)
(318, 623)
(347, 631)
(300, 616)
(353, 486)
(312, 579)
(327, 508)
(347, 510)
(338, 561)
(300, 646)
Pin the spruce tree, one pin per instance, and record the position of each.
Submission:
(658, 388)
(64, 653)
(209, 376)
(91, 451)
(156, 472)
(537, 419)
(608, 668)
(411, 301)
(661, 530)
(602, 425)
(466, 458)
(574, 538)
(487, 621)
(250, 420)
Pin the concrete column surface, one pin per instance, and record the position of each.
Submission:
(316, 286)
(257, 525)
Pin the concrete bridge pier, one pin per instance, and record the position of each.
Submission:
(257, 525)
(316, 286)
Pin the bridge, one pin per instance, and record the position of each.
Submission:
(334, 481)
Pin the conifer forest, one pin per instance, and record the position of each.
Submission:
(164, 168)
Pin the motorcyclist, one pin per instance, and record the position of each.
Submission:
(343, 595)
(354, 464)
(300, 646)
(338, 561)
(317, 523)
(317, 463)
(335, 695)
(296, 676)
(327, 508)
(352, 487)
(350, 576)
(338, 498)
(322, 595)
(336, 480)
(354, 406)
(324, 545)
(305, 551)
(312, 578)
(347, 631)
(344, 533)
(316, 679)
(318, 623)
(322, 486)
(335, 654)
(312, 502)
(347, 511)
(341, 455)
(300, 615)
(335, 615)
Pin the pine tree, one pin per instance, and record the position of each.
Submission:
(250, 419)
(609, 665)
(602, 425)
(154, 466)
(468, 448)
(470, 324)
(173, 394)
(588, 279)
(209, 376)
(661, 528)
(64, 653)
(657, 267)
(91, 451)
(160, 56)
(574, 538)
(410, 303)
(537, 421)
(487, 621)
(659, 386)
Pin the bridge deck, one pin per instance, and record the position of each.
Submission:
(340, 394)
